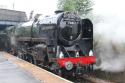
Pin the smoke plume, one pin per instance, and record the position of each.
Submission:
(109, 35)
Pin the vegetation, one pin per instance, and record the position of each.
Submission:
(82, 7)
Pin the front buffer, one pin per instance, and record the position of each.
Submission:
(78, 65)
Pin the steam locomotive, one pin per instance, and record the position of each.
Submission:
(63, 43)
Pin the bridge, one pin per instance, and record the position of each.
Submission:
(11, 18)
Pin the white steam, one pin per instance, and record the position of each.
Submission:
(109, 34)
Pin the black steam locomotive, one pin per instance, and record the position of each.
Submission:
(63, 43)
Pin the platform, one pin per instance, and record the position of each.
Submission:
(15, 70)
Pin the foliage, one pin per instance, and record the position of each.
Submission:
(82, 7)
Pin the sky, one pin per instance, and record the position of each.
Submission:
(48, 6)
(38, 6)
(109, 7)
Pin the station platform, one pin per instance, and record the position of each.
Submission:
(15, 70)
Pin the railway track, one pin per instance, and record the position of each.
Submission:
(93, 79)
(89, 78)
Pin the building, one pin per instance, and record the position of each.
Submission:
(11, 17)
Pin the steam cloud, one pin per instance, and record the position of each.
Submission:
(109, 35)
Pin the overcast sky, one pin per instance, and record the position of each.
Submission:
(48, 6)
(39, 6)
(106, 7)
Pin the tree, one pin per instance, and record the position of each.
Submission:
(82, 7)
